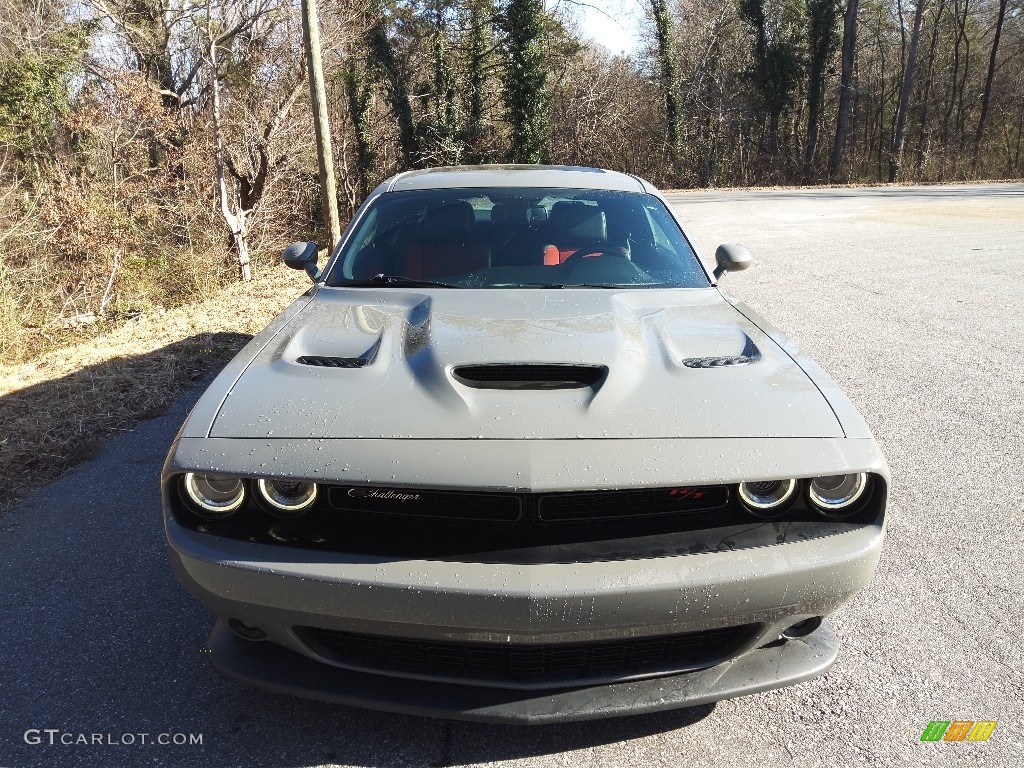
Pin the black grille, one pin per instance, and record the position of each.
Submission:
(414, 502)
(601, 505)
(529, 376)
(513, 527)
(416, 522)
(332, 362)
(549, 508)
(534, 665)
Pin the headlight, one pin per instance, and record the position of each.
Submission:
(836, 495)
(215, 495)
(287, 498)
(767, 498)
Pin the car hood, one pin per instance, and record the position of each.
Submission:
(398, 350)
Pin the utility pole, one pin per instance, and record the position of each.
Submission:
(318, 97)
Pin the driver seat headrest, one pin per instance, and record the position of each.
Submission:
(582, 222)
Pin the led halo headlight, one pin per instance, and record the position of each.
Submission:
(767, 498)
(287, 498)
(216, 496)
(837, 495)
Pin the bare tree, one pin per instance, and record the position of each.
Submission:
(259, 127)
(846, 90)
(231, 209)
(822, 41)
(900, 121)
(986, 100)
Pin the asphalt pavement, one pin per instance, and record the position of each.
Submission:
(911, 299)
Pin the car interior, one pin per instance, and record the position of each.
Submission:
(498, 238)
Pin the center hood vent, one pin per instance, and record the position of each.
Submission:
(529, 376)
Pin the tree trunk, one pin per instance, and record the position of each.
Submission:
(235, 221)
(986, 99)
(359, 103)
(318, 97)
(845, 89)
(961, 103)
(524, 93)
(396, 82)
(479, 43)
(1014, 170)
(924, 131)
(822, 42)
(242, 246)
(896, 151)
(669, 79)
(955, 76)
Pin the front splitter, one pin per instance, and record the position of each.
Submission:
(273, 668)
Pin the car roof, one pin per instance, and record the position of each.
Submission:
(556, 176)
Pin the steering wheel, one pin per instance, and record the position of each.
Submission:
(602, 249)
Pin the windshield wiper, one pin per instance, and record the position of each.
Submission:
(589, 285)
(397, 280)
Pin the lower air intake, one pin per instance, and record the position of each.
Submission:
(515, 665)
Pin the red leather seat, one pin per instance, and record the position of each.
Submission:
(446, 244)
(575, 226)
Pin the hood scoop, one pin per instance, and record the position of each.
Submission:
(331, 362)
(529, 376)
(335, 361)
(750, 354)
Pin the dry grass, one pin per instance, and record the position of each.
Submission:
(59, 408)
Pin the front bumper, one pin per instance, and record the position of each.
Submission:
(276, 669)
(278, 589)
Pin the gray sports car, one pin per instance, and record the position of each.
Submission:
(515, 457)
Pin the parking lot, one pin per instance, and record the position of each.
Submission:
(909, 297)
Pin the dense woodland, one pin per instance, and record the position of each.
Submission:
(149, 146)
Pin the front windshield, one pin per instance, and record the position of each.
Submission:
(518, 238)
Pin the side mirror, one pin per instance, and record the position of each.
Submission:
(302, 256)
(731, 258)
